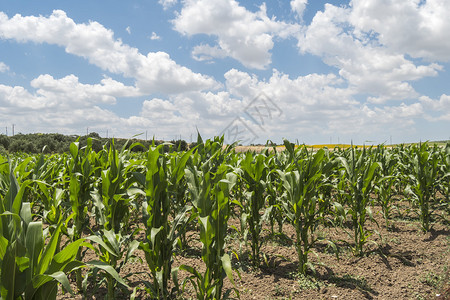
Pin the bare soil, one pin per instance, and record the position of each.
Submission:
(399, 263)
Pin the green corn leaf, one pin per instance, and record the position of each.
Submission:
(108, 269)
(226, 264)
(66, 255)
(182, 163)
(14, 284)
(49, 252)
(191, 270)
(22, 263)
(40, 285)
(73, 265)
(47, 290)
(140, 178)
(370, 174)
(74, 149)
(34, 241)
(99, 241)
(3, 245)
(17, 205)
(131, 248)
(11, 204)
(112, 241)
(153, 233)
(25, 213)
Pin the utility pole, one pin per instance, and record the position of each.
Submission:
(13, 129)
(106, 133)
(6, 130)
(87, 130)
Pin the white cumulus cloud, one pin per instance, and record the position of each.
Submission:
(439, 108)
(206, 52)
(154, 36)
(70, 90)
(369, 66)
(298, 6)
(167, 3)
(3, 67)
(418, 28)
(154, 72)
(243, 35)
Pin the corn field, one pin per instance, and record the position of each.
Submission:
(54, 208)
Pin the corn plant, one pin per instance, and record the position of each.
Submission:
(444, 187)
(112, 209)
(112, 197)
(114, 251)
(30, 269)
(81, 184)
(47, 187)
(177, 188)
(302, 205)
(254, 173)
(161, 233)
(281, 161)
(388, 174)
(210, 196)
(273, 187)
(357, 177)
(423, 181)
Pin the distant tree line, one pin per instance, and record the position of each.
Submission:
(59, 143)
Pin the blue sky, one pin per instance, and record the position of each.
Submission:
(312, 71)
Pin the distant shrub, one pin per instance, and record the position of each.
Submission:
(179, 145)
(55, 142)
(4, 141)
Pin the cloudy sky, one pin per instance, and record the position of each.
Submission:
(367, 71)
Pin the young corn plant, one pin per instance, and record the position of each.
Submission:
(444, 187)
(30, 268)
(112, 201)
(112, 197)
(273, 187)
(47, 188)
(303, 206)
(357, 180)
(423, 181)
(114, 251)
(210, 196)
(281, 162)
(81, 183)
(254, 173)
(388, 174)
(112, 209)
(177, 188)
(161, 233)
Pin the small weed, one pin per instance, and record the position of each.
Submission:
(395, 241)
(431, 279)
(279, 290)
(437, 281)
(306, 282)
(419, 297)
